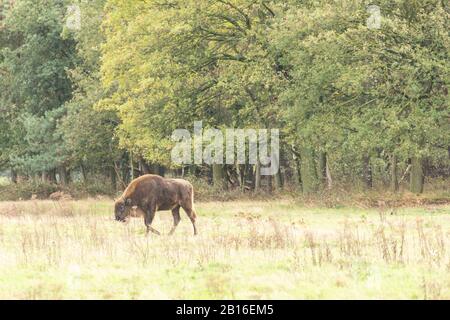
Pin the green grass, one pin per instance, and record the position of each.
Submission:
(245, 250)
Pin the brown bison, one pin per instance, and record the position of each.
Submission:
(151, 193)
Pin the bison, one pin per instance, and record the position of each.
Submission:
(151, 193)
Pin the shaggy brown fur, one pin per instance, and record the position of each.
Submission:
(151, 193)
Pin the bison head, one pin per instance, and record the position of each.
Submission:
(122, 209)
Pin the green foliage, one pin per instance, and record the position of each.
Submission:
(353, 91)
(88, 134)
(347, 98)
(37, 189)
(168, 66)
(34, 59)
(27, 190)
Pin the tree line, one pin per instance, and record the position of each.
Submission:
(355, 105)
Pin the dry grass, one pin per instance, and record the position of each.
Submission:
(245, 250)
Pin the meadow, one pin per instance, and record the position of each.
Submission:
(276, 249)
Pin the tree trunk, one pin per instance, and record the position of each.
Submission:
(160, 170)
(417, 176)
(173, 173)
(13, 176)
(113, 177)
(218, 176)
(145, 168)
(83, 173)
(286, 175)
(125, 172)
(193, 170)
(257, 177)
(277, 182)
(131, 167)
(240, 169)
(63, 176)
(52, 176)
(394, 178)
(328, 175)
(308, 171)
(298, 172)
(367, 173)
(249, 177)
(322, 167)
(44, 176)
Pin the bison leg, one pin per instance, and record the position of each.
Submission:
(149, 216)
(192, 216)
(176, 219)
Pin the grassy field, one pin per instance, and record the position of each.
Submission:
(245, 250)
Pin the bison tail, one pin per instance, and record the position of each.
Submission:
(192, 194)
(194, 213)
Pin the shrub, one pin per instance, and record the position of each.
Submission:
(92, 188)
(27, 190)
(36, 189)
